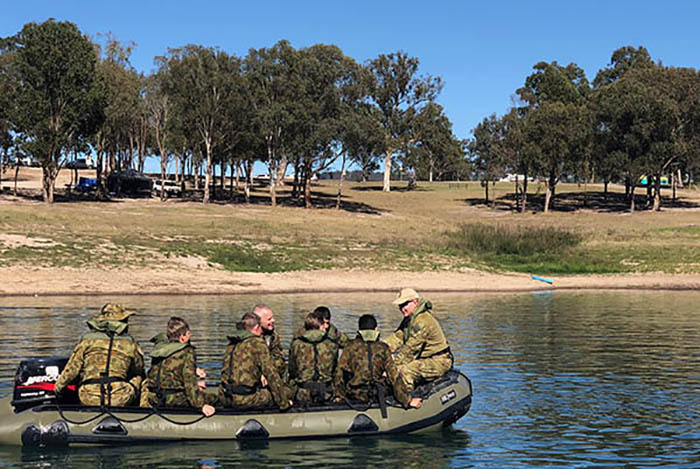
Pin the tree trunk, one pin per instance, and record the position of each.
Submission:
(657, 194)
(340, 184)
(486, 191)
(493, 196)
(387, 170)
(523, 205)
(674, 184)
(307, 186)
(248, 181)
(209, 169)
(14, 190)
(271, 173)
(517, 192)
(48, 180)
(238, 175)
(547, 196)
(230, 186)
(183, 163)
(163, 167)
(631, 199)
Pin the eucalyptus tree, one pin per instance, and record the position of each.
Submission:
(159, 109)
(202, 81)
(275, 87)
(518, 156)
(488, 153)
(7, 101)
(364, 138)
(332, 89)
(399, 93)
(55, 66)
(558, 125)
(639, 125)
(434, 145)
(622, 61)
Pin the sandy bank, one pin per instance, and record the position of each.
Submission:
(65, 281)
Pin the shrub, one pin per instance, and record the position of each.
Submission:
(512, 240)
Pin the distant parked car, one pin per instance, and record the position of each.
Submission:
(80, 163)
(129, 183)
(171, 188)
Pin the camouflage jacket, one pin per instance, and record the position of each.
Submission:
(89, 358)
(173, 376)
(418, 336)
(274, 344)
(246, 360)
(312, 358)
(354, 377)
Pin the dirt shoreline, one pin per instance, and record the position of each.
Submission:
(208, 281)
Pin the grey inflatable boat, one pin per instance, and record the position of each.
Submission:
(33, 417)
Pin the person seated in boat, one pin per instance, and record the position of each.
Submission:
(366, 369)
(333, 333)
(174, 379)
(107, 360)
(249, 379)
(271, 337)
(312, 360)
(420, 349)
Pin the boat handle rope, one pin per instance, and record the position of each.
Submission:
(140, 419)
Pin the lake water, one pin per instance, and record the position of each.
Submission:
(560, 379)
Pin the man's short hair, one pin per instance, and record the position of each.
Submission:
(313, 321)
(176, 328)
(248, 322)
(324, 311)
(259, 308)
(367, 321)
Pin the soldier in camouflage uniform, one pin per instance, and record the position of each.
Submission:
(312, 360)
(272, 338)
(249, 379)
(108, 361)
(420, 348)
(173, 380)
(340, 339)
(366, 369)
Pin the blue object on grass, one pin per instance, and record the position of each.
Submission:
(542, 279)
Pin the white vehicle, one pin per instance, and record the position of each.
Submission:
(171, 188)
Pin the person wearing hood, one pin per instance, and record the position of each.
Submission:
(420, 348)
(366, 368)
(249, 379)
(174, 379)
(312, 360)
(338, 337)
(107, 360)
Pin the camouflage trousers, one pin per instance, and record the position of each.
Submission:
(425, 369)
(122, 394)
(261, 398)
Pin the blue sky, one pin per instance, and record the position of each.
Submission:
(483, 50)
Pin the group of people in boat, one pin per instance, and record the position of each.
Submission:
(108, 363)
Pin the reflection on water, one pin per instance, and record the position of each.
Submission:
(561, 379)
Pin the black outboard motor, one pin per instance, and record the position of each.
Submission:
(34, 383)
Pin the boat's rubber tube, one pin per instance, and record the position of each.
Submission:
(445, 401)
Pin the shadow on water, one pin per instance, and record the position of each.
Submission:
(436, 450)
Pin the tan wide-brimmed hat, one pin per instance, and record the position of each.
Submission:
(406, 294)
(114, 312)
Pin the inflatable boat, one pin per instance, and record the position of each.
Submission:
(34, 417)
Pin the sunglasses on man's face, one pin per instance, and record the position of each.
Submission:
(403, 305)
